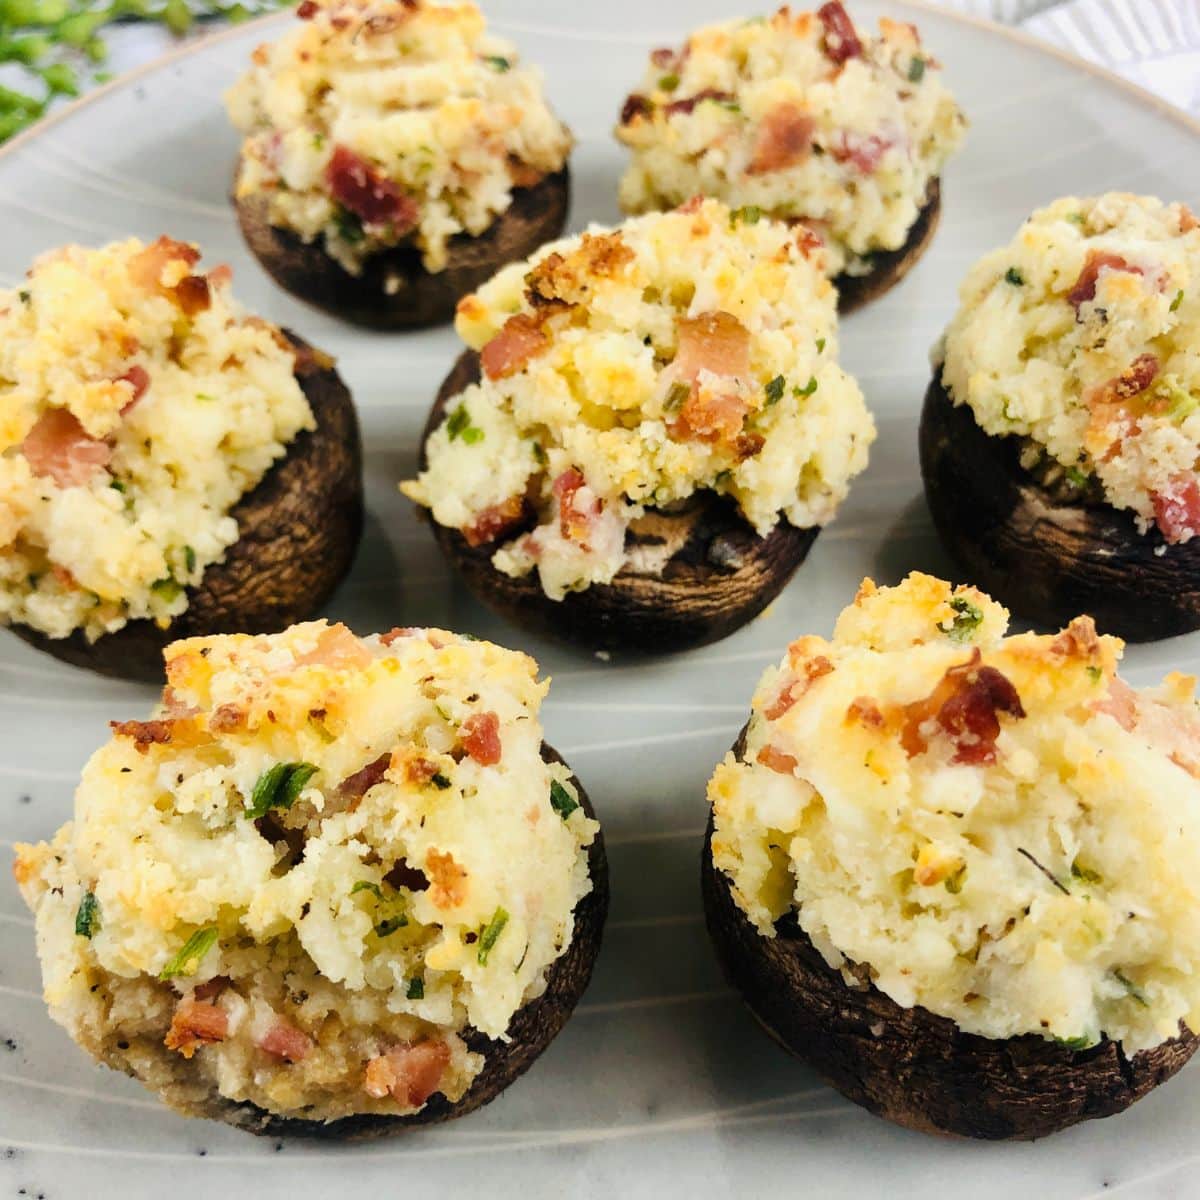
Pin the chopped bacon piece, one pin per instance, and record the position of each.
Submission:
(1097, 261)
(965, 704)
(147, 266)
(1078, 640)
(784, 139)
(841, 38)
(714, 341)
(749, 444)
(192, 294)
(226, 718)
(284, 1040)
(355, 786)
(710, 417)
(1120, 703)
(864, 711)
(336, 648)
(401, 631)
(688, 104)
(813, 670)
(664, 58)
(495, 521)
(447, 879)
(196, 1024)
(808, 239)
(369, 195)
(1177, 510)
(58, 447)
(521, 339)
(574, 521)
(1136, 378)
(138, 378)
(635, 106)
(480, 736)
(776, 760)
(862, 152)
(144, 733)
(410, 1072)
(307, 9)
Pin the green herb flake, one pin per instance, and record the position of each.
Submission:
(389, 925)
(561, 800)
(117, 485)
(1084, 874)
(967, 619)
(775, 390)
(24, 296)
(916, 70)
(676, 396)
(1132, 990)
(416, 988)
(458, 422)
(189, 559)
(87, 916)
(820, 345)
(1076, 218)
(1013, 276)
(807, 390)
(472, 436)
(1095, 674)
(440, 781)
(189, 958)
(1177, 301)
(1077, 478)
(498, 63)
(749, 214)
(669, 82)
(348, 226)
(168, 590)
(728, 105)
(278, 786)
(1076, 1043)
(365, 885)
(954, 883)
(205, 398)
(318, 141)
(491, 935)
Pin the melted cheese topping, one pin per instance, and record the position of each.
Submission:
(421, 880)
(436, 108)
(1080, 335)
(763, 113)
(626, 370)
(138, 404)
(998, 828)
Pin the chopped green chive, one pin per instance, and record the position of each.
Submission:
(205, 397)
(277, 787)
(458, 425)
(967, 619)
(365, 885)
(807, 390)
(416, 988)
(348, 226)
(676, 396)
(440, 781)
(472, 436)
(775, 390)
(167, 589)
(1076, 1043)
(668, 83)
(189, 559)
(117, 486)
(1013, 276)
(87, 917)
(1134, 992)
(498, 63)
(389, 925)
(491, 935)
(24, 296)
(561, 800)
(189, 958)
(1177, 301)
(954, 882)
(1077, 478)
(1084, 874)
(318, 141)
(749, 214)
(1095, 674)
(916, 70)
(820, 345)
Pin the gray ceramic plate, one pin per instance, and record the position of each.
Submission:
(661, 1085)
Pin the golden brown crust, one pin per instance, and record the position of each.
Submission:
(395, 291)
(1045, 559)
(298, 532)
(906, 1064)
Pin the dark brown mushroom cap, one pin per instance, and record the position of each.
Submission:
(720, 575)
(889, 267)
(395, 291)
(1045, 559)
(298, 531)
(531, 1030)
(907, 1064)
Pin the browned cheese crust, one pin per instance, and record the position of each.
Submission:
(298, 531)
(395, 291)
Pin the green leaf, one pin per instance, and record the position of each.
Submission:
(61, 79)
(177, 16)
(87, 917)
(775, 390)
(277, 787)
(807, 390)
(916, 70)
(189, 958)
(561, 800)
(1013, 276)
(491, 935)
(968, 618)
(416, 988)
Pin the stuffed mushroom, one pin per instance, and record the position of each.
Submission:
(396, 154)
(172, 466)
(956, 871)
(1061, 432)
(648, 430)
(801, 117)
(336, 887)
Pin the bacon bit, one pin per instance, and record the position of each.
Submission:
(495, 521)
(1187, 219)
(401, 631)
(480, 737)
(814, 669)
(196, 1024)
(521, 339)
(692, 206)
(965, 704)
(748, 445)
(369, 195)
(841, 38)
(284, 1040)
(784, 139)
(664, 58)
(573, 522)
(808, 240)
(64, 576)
(192, 294)
(307, 9)
(713, 341)
(144, 733)
(338, 649)
(864, 711)
(1177, 510)
(1132, 382)
(1097, 261)
(58, 447)
(410, 1072)
(138, 378)
(448, 879)
(863, 153)
(709, 417)
(147, 266)
(776, 760)
(1078, 640)
(1120, 703)
(688, 104)
(635, 106)
(356, 786)
(418, 770)
(212, 988)
(226, 718)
